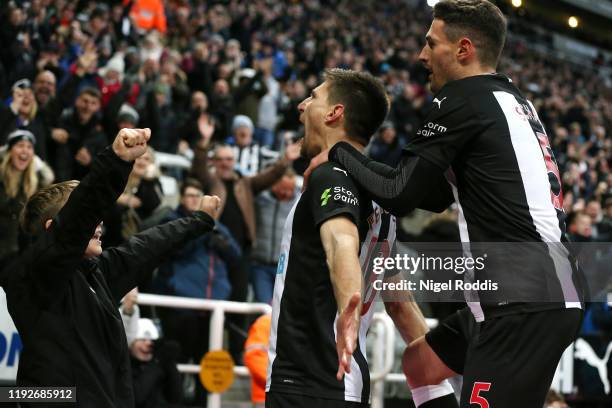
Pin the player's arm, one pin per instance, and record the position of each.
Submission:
(414, 183)
(340, 240)
(406, 315)
(418, 181)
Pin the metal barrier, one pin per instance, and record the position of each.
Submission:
(383, 352)
(218, 308)
(382, 325)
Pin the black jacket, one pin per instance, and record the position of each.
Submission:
(65, 307)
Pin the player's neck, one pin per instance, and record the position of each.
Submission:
(474, 70)
(333, 139)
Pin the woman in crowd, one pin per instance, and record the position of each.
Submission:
(21, 175)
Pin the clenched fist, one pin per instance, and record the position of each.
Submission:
(210, 205)
(131, 143)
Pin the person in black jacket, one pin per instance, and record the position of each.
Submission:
(63, 291)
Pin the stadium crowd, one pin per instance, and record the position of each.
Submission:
(219, 83)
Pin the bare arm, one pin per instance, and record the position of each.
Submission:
(341, 243)
(406, 315)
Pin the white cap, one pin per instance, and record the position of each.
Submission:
(146, 330)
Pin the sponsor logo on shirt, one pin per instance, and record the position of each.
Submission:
(344, 195)
(431, 129)
(339, 194)
(325, 197)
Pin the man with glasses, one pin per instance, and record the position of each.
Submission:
(198, 270)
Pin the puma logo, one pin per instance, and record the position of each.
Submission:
(585, 352)
(340, 170)
(438, 101)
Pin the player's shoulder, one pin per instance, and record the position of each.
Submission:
(332, 179)
(477, 85)
(331, 171)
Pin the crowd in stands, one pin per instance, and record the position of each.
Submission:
(218, 83)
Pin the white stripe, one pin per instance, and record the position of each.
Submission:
(471, 297)
(532, 167)
(353, 382)
(537, 187)
(279, 287)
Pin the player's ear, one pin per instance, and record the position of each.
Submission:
(335, 113)
(465, 49)
(48, 223)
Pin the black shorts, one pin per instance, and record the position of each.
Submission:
(508, 361)
(282, 400)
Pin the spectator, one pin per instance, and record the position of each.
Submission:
(267, 117)
(198, 270)
(387, 146)
(605, 227)
(237, 211)
(44, 87)
(23, 114)
(157, 382)
(222, 107)
(251, 88)
(161, 116)
(251, 157)
(63, 290)
(256, 358)
(79, 136)
(138, 202)
(147, 14)
(580, 227)
(21, 175)
(198, 124)
(271, 210)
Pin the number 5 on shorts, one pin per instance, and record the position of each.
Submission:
(476, 398)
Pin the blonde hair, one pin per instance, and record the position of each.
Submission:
(18, 182)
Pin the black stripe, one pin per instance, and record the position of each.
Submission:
(365, 373)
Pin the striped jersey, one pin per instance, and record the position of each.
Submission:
(302, 354)
(488, 139)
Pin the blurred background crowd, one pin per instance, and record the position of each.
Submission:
(218, 82)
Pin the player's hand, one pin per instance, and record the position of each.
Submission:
(315, 162)
(130, 144)
(210, 205)
(347, 329)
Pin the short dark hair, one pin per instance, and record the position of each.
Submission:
(480, 20)
(191, 182)
(91, 91)
(44, 205)
(365, 101)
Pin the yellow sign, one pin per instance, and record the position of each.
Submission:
(217, 371)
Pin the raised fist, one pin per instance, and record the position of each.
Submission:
(210, 205)
(131, 143)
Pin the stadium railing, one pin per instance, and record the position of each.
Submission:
(383, 353)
